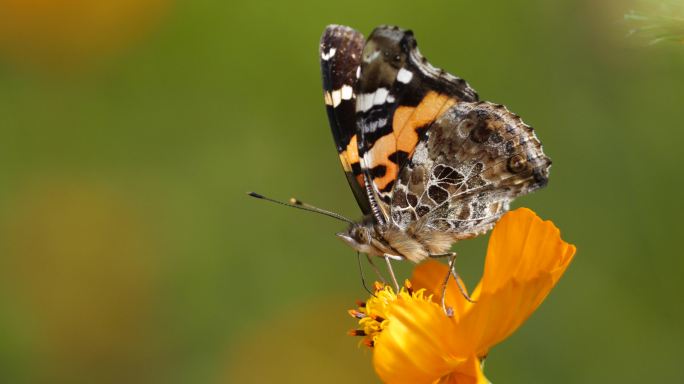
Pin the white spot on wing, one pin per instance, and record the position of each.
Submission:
(366, 101)
(404, 76)
(347, 92)
(373, 125)
(328, 98)
(358, 72)
(380, 96)
(336, 98)
(327, 55)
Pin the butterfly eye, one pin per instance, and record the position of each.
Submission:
(361, 237)
(517, 164)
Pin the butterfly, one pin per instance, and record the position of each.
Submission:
(428, 163)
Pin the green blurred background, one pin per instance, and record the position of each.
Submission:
(130, 131)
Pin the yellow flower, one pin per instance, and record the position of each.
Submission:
(414, 341)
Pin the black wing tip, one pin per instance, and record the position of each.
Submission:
(333, 32)
(396, 33)
(331, 28)
(254, 194)
(394, 28)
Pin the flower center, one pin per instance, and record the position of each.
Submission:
(373, 315)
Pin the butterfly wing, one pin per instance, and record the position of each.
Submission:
(340, 54)
(475, 159)
(399, 95)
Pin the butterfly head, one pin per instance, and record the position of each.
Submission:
(359, 237)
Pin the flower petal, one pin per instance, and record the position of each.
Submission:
(430, 276)
(470, 372)
(416, 343)
(494, 317)
(525, 259)
(522, 247)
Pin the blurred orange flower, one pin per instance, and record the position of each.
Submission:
(414, 341)
(67, 34)
(81, 265)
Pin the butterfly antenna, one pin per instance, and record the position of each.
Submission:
(294, 203)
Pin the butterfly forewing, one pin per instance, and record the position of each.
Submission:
(340, 55)
(399, 95)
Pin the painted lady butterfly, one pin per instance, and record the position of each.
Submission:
(428, 163)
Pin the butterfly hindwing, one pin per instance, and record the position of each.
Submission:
(474, 160)
(340, 55)
(399, 95)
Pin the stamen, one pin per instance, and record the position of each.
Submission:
(408, 286)
(372, 314)
(356, 314)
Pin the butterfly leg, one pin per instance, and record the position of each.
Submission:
(391, 271)
(440, 255)
(448, 311)
(459, 283)
(375, 268)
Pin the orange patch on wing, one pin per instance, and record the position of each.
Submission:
(410, 118)
(405, 123)
(353, 151)
(350, 155)
(361, 180)
(382, 148)
(345, 164)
